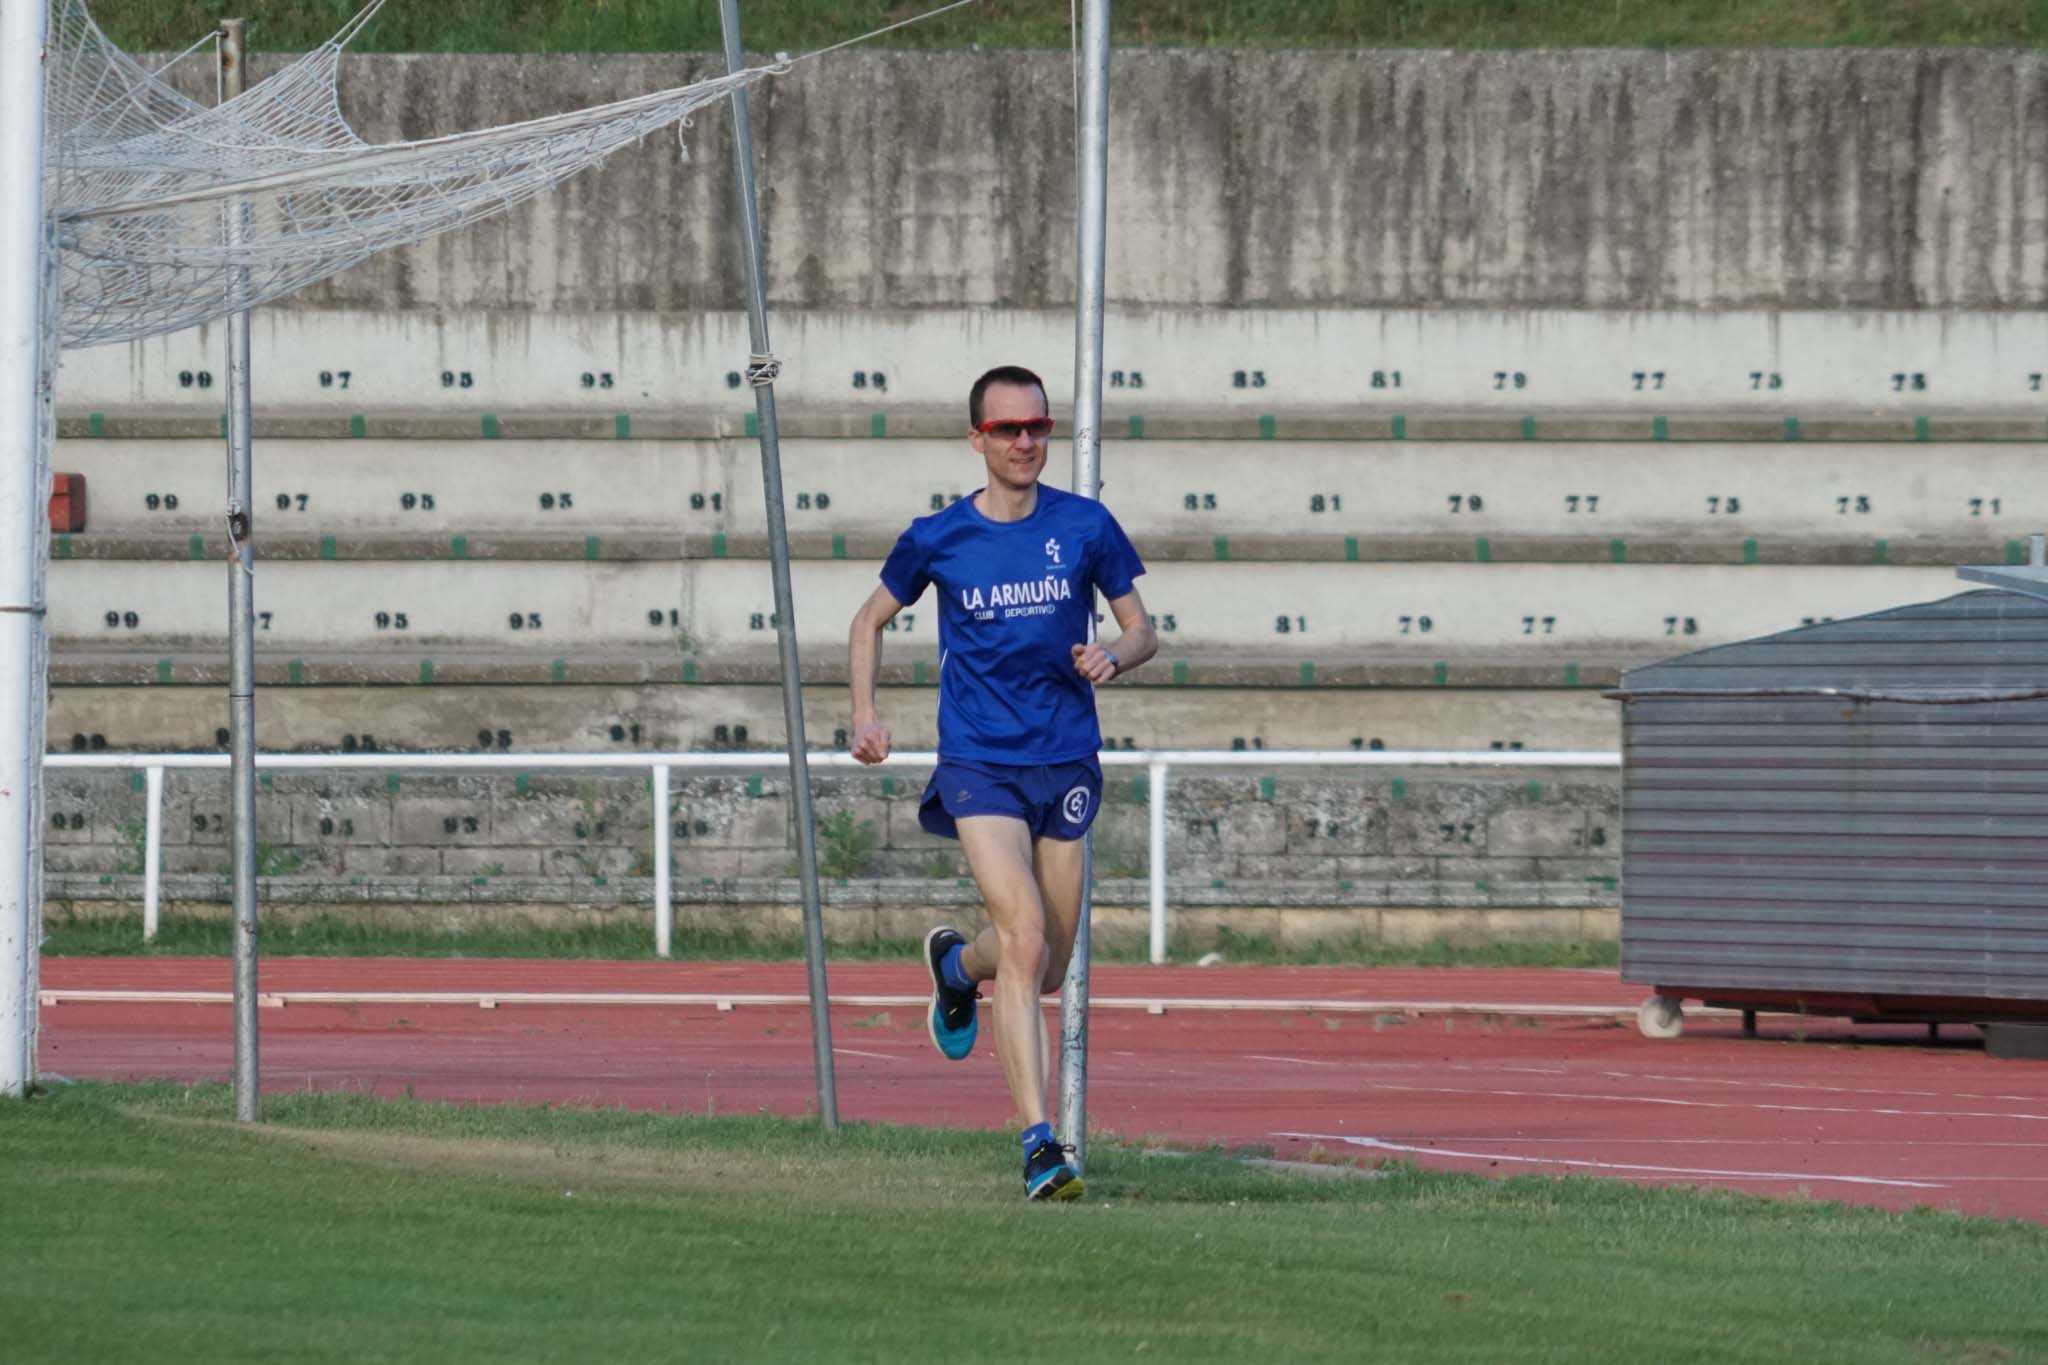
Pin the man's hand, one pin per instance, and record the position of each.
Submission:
(870, 742)
(1094, 663)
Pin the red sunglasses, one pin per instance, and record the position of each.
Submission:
(1007, 430)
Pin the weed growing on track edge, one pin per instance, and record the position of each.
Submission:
(144, 1224)
(631, 939)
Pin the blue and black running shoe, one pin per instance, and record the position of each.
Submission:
(953, 1019)
(1048, 1174)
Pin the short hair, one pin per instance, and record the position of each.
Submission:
(1001, 374)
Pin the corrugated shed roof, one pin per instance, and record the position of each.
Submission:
(1983, 639)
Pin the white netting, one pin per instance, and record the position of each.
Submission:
(142, 182)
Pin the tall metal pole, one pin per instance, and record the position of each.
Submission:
(234, 53)
(24, 487)
(1092, 175)
(761, 370)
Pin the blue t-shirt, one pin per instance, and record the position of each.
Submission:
(1014, 599)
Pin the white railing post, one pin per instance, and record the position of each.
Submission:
(1155, 862)
(664, 898)
(152, 848)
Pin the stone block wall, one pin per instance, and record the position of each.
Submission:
(1286, 853)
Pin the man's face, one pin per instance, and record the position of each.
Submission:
(1014, 456)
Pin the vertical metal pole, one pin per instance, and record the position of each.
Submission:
(241, 628)
(24, 489)
(761, 370)
(152, 849)
(1092, 156)
(664, 897)
(1155, 864)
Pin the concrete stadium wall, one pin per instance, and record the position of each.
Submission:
(1685, 180)
(1563, 361)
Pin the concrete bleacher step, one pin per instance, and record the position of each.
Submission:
(1156, 547)
(1160, 359)
(1283, 424)
(1302, 613)
(1178, 498)
(575, 717)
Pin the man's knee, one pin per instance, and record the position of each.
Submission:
(1022, 948)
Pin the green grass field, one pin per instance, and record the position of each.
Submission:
(141, 1224)
(692, 25)
(630, 939)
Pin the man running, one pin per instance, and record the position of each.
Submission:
(1017, 567)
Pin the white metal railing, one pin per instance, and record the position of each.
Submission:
(1157, 764)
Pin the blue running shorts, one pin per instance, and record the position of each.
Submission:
(1054, 800)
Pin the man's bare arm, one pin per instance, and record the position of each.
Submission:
(864, 661)
(1134, 646)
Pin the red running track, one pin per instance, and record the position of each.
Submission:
(1869, 1114)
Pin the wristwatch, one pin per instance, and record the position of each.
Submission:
(1113, 663)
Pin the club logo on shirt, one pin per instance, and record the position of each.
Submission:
(1037, 598)
(1075, 805)
(1052, 554)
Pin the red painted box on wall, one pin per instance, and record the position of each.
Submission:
(67, 503)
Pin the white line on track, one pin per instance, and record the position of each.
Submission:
(1152, 1004)
(1801, 1142)
(856, 1052)
(1798, 1176)
(1580, 1097)
(1807, 1085)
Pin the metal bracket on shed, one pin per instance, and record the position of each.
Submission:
(2031, 579)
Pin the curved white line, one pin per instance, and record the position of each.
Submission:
(1383, 1146)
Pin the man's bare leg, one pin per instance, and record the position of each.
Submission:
(1012, 951)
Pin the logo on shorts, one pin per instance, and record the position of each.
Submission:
(1075, 805)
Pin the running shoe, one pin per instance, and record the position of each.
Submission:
(953, 1019)
(1048, 1174)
